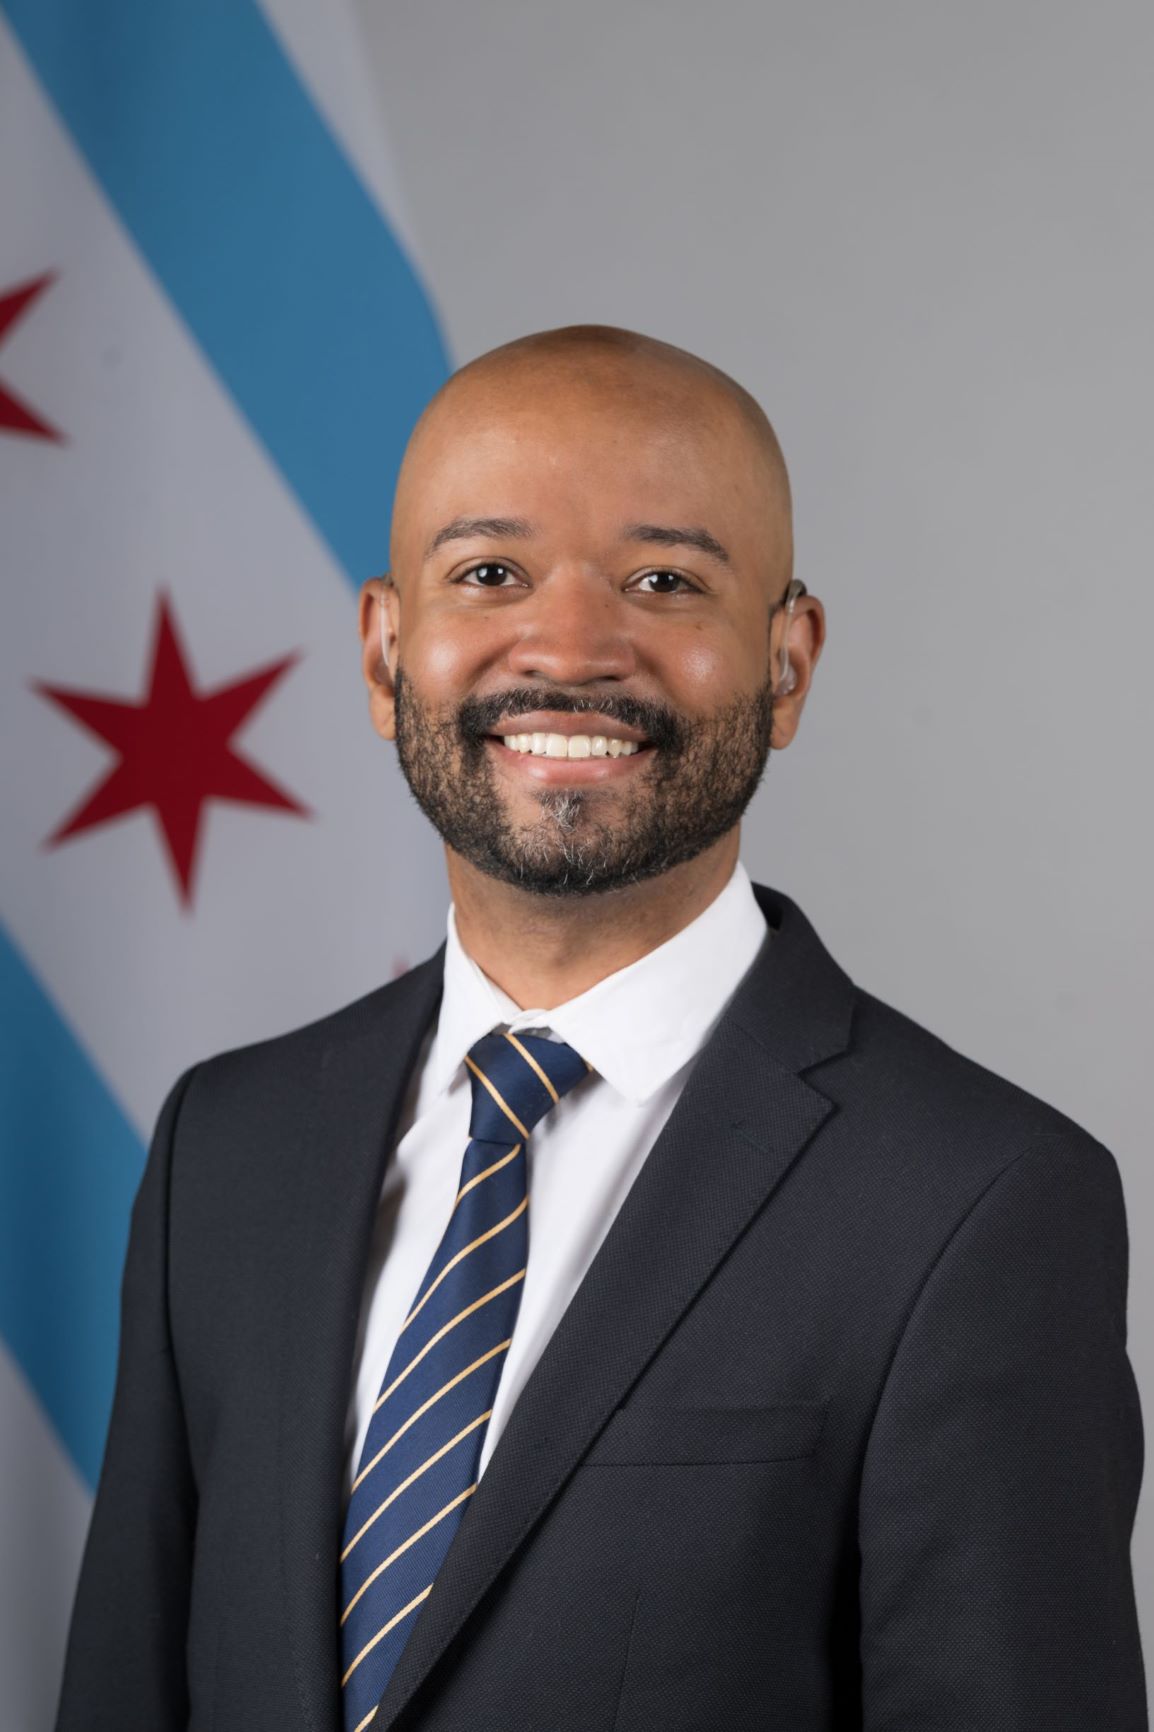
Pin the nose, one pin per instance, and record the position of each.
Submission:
(575, 631)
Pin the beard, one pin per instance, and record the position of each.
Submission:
(584, 841)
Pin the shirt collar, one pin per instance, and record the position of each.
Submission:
(637, 1027)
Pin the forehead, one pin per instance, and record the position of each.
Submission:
(578, 453)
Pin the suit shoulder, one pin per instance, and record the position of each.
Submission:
(931, 1090)
(921, 1133)
(301, 1053)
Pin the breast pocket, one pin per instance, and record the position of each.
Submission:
(689, 1436)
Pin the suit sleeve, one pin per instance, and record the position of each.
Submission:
(125, 1664)
(1002, 1472)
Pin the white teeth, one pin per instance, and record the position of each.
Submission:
(571, 745)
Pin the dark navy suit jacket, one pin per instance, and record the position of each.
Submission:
(839, 1432)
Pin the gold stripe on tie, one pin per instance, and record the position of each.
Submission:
(489, 1233)
(495, 1168)
(394, 1555)
(424, 1408)
(533, 1065)
(381, 1634)
(446, 1329)
(503, 1104)
(416, 1474)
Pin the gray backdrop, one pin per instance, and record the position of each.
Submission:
(920, 234)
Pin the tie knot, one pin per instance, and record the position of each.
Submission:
(516, 1078)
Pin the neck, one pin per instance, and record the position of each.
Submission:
(544, 950)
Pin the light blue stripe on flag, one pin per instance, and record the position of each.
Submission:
(70, 1163)
(214, 156)
(283, 268)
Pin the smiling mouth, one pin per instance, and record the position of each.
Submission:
(551, 745)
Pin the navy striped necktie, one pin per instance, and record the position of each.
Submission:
(418, 1467)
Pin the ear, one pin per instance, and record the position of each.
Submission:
(378, 618)
(806, 636)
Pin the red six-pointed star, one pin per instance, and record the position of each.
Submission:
(17, 416)
(175, 749)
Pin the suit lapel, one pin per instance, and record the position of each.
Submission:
(743, 1119)
(341, 1147)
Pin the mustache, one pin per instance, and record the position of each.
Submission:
(662, 727)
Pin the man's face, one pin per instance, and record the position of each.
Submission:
(580, 630)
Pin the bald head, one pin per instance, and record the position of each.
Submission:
(602, 357)
(637, 386)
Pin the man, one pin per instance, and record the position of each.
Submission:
(623, 1320)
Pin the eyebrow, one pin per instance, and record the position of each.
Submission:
(662, 535)
(519, 528)
(465, 528)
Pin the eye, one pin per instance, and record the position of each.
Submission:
(490, 575)
(665, 583)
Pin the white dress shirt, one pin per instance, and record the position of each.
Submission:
(641, 1030)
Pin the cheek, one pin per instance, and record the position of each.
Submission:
(443, 662)
(704, 668)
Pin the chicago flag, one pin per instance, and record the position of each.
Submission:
(213, 344)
